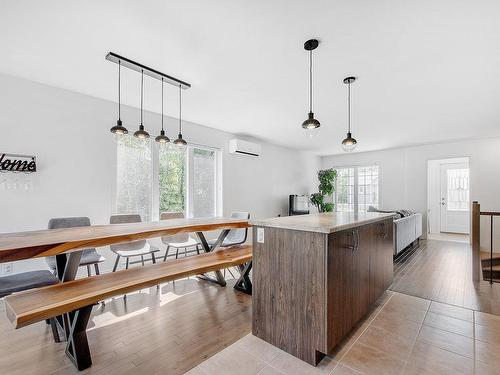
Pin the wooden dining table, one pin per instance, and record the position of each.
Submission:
(65, 243)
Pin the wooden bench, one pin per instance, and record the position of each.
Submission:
(71, 302)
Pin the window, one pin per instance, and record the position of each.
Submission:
(356, 188)
(458, 189)
(345, 190)
(152, 179)
(134, 177)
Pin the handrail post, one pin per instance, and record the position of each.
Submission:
(476, 245)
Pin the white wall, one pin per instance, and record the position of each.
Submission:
(69, 134)
(403, 175)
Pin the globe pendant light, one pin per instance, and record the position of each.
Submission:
(119, 128)
(179, 141)
(162, 138)
(311, 125)
(141, 133)
(349, 143)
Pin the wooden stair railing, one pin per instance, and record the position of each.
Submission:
(483, 267)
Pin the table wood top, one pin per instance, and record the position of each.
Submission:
(42, 243)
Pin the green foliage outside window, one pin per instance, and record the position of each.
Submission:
(326, 188)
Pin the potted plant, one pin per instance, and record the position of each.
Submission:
(326, 188)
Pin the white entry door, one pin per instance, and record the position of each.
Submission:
(455, 198)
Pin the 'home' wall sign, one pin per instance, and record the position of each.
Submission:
(17, 163)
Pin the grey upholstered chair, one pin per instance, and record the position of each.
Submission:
(235, 236)
(89, 256)
(26, 280)
(131, 249)
(178, 241)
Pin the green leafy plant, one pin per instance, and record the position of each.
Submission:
(326, 188)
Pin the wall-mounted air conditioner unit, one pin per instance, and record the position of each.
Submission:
(237, 146)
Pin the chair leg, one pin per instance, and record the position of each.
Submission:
(116, 263)
(185, 252)
(153, 258)
(96, 267)
(142, 260)
(88, 270)
(198, 249)
(166, 253)
(55, 332)
(126, 264)
(176, 253)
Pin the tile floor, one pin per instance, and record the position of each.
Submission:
(402, 335)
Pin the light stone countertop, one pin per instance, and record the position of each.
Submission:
(324, 222)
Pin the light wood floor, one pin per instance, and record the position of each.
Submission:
(165, 331)
(441, 271)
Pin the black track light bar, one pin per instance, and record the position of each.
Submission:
(127, 63)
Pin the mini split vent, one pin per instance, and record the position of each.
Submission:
(237, 146)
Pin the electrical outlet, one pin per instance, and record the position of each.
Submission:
(6, 268)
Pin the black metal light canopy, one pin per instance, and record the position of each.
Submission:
(141, 133)
(311, 123)
(162, 138)
(180, 141)
(119, 128)
(349, 143)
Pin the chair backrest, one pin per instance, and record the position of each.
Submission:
(176, 238)
(127, 219)
(67, 222)
(237, 236)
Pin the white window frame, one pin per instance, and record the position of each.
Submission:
(356, 185)
(155, 168)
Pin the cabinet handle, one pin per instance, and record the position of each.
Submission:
(355, 241)
(385, 232)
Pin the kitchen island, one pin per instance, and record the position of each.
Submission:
(315, 276)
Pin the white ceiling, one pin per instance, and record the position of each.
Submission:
(428, 71)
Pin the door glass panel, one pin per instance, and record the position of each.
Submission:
(458, 189)
(203, 203)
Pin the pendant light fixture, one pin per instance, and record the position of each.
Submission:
(349, 143)
(162, 138)
(141, 133)
(179, 141)
(119, 128)
(311, 125)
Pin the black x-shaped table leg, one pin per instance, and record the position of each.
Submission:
(73, 324)
(204, 243)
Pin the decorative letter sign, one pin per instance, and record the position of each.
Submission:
(17, 163)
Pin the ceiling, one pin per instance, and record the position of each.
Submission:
(429, 71)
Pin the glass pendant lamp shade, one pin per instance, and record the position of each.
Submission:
(311, 122)
(141, 133)
(179, 141)
(119, 128)
(311, 125)
(349, 143)
(162, 138)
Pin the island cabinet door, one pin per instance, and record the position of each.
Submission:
(348, 290)
(381, 258)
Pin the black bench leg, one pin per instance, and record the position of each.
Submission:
(244, 284)
(77, 347)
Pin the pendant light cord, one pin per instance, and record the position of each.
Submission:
(310, 81)
(142, 87)
(349, 106)
(119, 89)
(161, 103)
(180, 109)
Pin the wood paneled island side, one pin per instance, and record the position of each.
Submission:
(315, 276)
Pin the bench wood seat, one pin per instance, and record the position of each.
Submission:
(35, 305)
